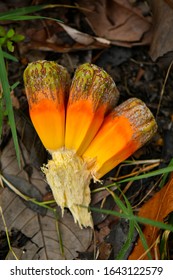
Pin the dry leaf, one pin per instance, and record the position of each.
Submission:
(113, 22)
(117, 21)
(162, 41)
(83, 38)
(27, 189)
(71, 40)
(30, 153)
(28, 172)
(157, 208)
(41, 234)
(39, 227)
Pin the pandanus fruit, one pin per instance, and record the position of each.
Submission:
(80, 126)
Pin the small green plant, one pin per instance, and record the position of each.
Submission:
(7, 40)
(9, 37)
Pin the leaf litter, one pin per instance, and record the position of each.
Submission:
(41, 233)
(82, 33)
(37, 224)
(156, 208)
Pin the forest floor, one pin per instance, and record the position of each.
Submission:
(136, 74)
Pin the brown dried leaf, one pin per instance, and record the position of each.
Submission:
(157, 208)
(24, 187)
(51, 39)
(28, 172)
(119, 21)
(30, 153)
(162, 40)
(83, 38)
(114, 22)
(39, 227)
(41, 234)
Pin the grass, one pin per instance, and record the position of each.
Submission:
(44, 204)
(5, 88)
(18, 14)
(7, 235)
(8, 104)
(126, 211)
(162, 171)
(5, 98)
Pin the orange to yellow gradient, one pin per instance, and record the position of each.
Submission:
(92, 95)
(48, 120)
(123, 131)
(46, 85)
(86, 135)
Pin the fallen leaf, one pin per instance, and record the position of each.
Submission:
(117, 21)
(31, 156)
(83, 38)
(27, 189)
(120, 23)
(157, 208)
(28, 172)
(40, 232)
(37, 226)
(162, 39)
(105, 250)
(61, 38)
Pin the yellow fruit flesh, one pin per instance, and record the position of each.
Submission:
(82, 124)
(113, 143)
(49, 120)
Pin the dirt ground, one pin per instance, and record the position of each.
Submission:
(135, 74)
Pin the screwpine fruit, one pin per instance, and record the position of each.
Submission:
(93, 93)
(127, 128)
(84, 132)
(46, 86)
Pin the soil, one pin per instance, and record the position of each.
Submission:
(135, 75)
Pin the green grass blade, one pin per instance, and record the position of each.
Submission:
(161, 171)
(20, 12)
(141, 220)
(1, 116)
(33, 18)
(61, 246)
(162, 183)
(143, 240)
(9, 56)
(27, 17)
(23, 13)
(131, 231)
(126, 210)
(142, 236)
(133, 226)
(118, 201)
(14, 85)
(8, 103)
(128, 242)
